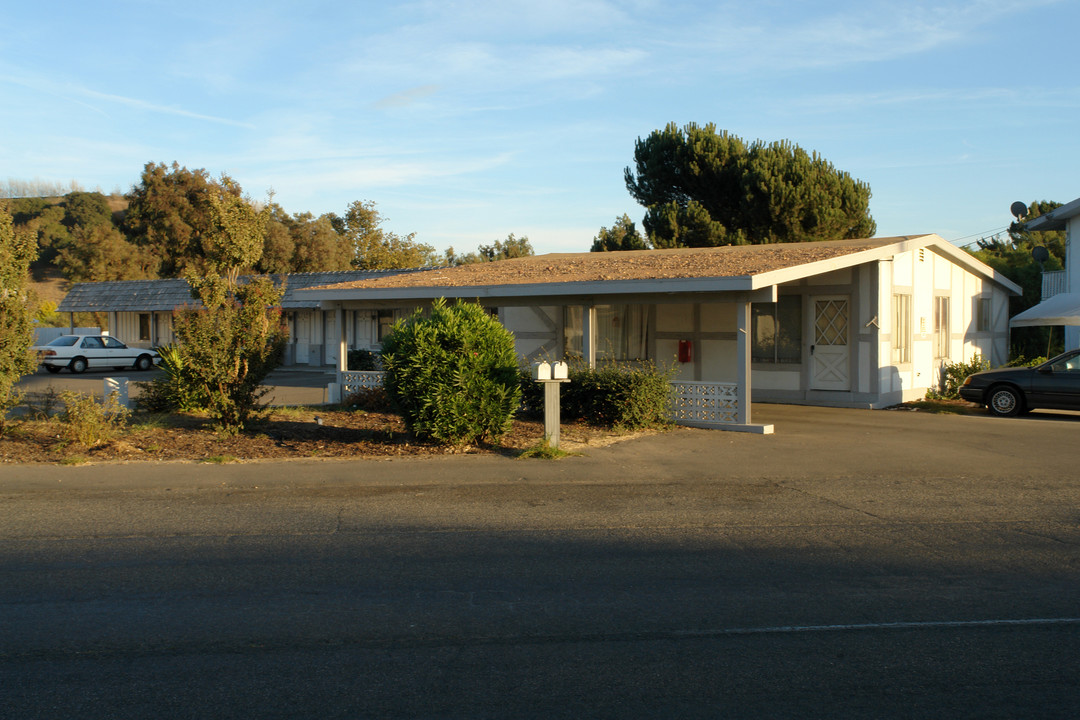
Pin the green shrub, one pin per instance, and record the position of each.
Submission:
(372, 399)
(452, 374)
(1021, 361)
(952, 378)
(85, 420)
(618, 395)
(173, 391)
(364, 360)
(229, 346)
(16, 329)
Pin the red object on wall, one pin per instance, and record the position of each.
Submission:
(686, 351)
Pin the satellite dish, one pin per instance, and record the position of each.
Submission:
(1019, 210)
(1039, 254)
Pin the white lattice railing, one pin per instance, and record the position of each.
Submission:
(704, 403)
(1053, 283)
(356, 380)
(692, 403)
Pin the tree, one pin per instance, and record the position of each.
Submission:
(16, 315)
(512, 247)
(377, 249)
(703, 188)
(168, 212)
(303, 243)
(623, 235)
(86, 209)
(228, 346)
(101, 252)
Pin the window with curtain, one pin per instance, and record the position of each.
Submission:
(776, 331)
(901, 326)
(622, 332)
(941, 327)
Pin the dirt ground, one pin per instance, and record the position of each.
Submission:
(285, 434)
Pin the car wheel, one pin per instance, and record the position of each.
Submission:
(78, 365)
(144, 362)
(1005, 401)
(52, 369)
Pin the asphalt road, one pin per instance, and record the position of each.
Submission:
(855, 564)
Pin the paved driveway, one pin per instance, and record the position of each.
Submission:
(290, 386)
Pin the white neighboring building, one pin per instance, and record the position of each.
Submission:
(1064, 307)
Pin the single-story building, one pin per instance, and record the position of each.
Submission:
(140, 313)
(852, 323)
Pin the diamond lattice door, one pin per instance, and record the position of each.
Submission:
(829, 355)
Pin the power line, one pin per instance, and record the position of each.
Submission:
(979, 236)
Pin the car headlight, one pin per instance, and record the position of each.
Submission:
(967, 381)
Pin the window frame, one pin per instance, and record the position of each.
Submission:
(941, 327)
(902, 329)
(788, 326)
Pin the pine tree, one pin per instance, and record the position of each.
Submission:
(702, 187)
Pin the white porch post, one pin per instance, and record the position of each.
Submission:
(588, 335)
(343, 342)
(742, 376)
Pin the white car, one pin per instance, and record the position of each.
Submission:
(79, 352)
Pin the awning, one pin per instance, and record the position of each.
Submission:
(1061, 309)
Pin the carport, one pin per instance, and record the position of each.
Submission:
(1061, 309)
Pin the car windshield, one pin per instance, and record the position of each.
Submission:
(63, 341)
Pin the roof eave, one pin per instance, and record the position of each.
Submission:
(597, 288)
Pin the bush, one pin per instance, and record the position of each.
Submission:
(229, 346)
(175, 390)
(618, 395)
(452, 374)
(953, 375)
(370, 399)
(364, 360)
(89, 422)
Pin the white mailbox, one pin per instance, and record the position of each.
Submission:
(559, 371)
(541, 371)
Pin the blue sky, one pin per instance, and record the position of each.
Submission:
(468, 120)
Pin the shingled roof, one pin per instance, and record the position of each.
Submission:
(718, 262)
(165, 295)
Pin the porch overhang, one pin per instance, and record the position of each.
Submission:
(569, 293)
(1062, 309)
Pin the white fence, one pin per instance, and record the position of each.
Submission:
(352, 381)
(704, 404)
(701, 404)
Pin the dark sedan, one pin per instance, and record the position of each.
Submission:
(1011, 391)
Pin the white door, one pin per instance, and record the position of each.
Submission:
(829, 356)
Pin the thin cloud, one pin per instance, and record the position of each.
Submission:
(162, 109)
(79, 95)
(406, 97)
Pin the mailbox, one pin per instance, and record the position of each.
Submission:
(559, 371)
(541, 371)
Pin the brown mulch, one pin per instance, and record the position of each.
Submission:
(284, 435)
